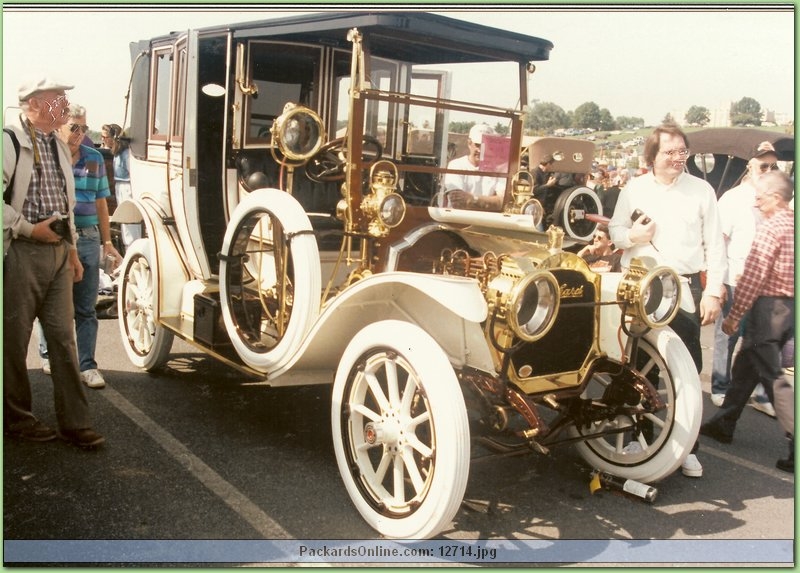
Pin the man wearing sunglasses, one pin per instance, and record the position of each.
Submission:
(40, 265)
(94, 238)
(739, 218)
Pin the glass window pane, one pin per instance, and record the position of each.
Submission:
(163, 64)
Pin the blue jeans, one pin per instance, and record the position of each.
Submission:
(724, 346)
(84, 299)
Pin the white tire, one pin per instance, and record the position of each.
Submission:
(146, 342)
(400, 430)
(674, 429)
(259, 226)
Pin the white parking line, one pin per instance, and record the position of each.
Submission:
(236, 500)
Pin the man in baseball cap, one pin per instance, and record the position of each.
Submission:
(40, 265)
(464, 191)
(477, 132)
(32, 87)
(45, 97)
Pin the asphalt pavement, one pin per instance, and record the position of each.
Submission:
(197, 451)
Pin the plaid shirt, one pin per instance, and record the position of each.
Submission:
(769, 268)
(46, 192)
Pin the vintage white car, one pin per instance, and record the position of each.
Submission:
(292, 233)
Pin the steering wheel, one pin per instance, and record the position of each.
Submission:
(328, 163)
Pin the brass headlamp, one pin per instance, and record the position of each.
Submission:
(651, 296)
(298, 133)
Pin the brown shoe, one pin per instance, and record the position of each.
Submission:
(83, 438)
(36, 432)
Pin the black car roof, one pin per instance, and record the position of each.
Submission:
(416, 37)
(740, 142)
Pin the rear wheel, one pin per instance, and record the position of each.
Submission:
(656, 443)
(400, 430)
(146, 342)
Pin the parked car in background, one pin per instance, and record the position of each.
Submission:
(720, 154)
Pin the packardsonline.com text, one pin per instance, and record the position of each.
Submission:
(446, 552)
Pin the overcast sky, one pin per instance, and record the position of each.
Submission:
(642, 63)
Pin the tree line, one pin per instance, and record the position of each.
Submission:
(546, 117)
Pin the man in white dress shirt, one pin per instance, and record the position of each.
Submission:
(679, 227)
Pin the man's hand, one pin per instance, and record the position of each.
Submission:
(459, 199)
(710, 308)
(77, 267)
(730, 326)
(641, 232)
(590, 249)
(43, 233)
(723, 295)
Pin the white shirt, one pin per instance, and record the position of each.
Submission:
(478, 185)
(739, 218)
(688, 236)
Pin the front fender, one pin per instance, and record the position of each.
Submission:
(611, 340)
(451, 309)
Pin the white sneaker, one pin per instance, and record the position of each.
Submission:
(92, 378)
(717, 399)
(46, 365)
(763, 407)
(692, 467)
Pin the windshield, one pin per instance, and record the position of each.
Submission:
(428, 134)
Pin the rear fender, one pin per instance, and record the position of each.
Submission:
(170, 273)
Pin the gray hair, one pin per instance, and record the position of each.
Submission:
(76, 110)
(776, 182)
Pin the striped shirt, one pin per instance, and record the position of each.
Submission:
(47, 190)
(91, 184)
(769, 268)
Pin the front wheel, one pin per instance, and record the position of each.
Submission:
(400, 430)
(661, 440)
(146, 342)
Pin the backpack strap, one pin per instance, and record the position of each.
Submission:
(10, 189)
